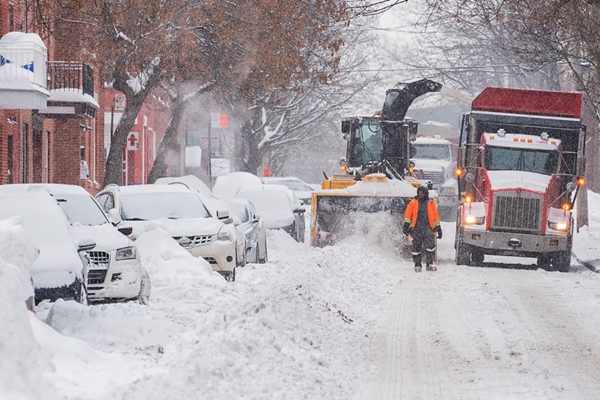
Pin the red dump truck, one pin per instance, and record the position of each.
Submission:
(520, 165)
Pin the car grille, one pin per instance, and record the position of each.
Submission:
(96, 276)
(195, 240)
(99, 259)
(511, 211)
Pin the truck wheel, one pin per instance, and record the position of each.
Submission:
(543, 261)
(477, 257)
(462, 254)
(562, 261)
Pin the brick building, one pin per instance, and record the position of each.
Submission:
(56, 113)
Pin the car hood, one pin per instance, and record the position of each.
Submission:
(56, 266)
(179, 227)
(107, 237)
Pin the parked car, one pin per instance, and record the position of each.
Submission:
(212, 204)
(17, 248)
(179, 211)
(226, 186)
(253, 227)
(279, 208)
(116, 273)
(302, 190)
(61, 269)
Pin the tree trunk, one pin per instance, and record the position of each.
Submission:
(114, 163)
(169, 140)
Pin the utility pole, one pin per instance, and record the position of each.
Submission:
(209, 156)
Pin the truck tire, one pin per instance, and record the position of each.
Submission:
(544, 261)
(462, 255)
(477, 257)
(561, 261)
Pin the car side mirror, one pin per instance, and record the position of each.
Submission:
(255, 218)
(126, 230)
(114, 216)
(299, 210)
(222, 214)
(86, 244)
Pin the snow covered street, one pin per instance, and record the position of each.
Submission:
(343, 322)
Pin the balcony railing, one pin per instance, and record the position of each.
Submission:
(71, 76)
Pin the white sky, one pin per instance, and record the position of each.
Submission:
(347, 321)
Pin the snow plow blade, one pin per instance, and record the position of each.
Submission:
(337, 213)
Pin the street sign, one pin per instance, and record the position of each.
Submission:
(219, 121)
(223, 121)
(133, 142)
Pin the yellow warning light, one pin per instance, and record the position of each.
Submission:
(515, 139)
(411, 170)
(530, 140)
(343, 167)
(581, 181)
(458, 172)
(566, 206)
(468, 198)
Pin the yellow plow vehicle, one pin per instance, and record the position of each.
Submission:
(377, 170)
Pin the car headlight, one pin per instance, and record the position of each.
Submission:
(126, 253)
(558, 226)
(224, 235)
(473, 220)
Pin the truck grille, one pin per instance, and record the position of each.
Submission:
(513, 212)
(436, 177)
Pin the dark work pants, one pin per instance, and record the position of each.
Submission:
(423, 236)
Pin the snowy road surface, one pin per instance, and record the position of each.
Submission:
(475, 333)
(351, 321)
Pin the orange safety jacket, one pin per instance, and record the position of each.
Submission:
(412, 210)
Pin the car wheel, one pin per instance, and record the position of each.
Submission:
(262, 254)
(145, 288)
(230, 277)
(81, 294)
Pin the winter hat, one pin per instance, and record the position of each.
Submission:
(424, 190)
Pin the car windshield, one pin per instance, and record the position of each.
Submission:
(432, 151)
(267, 200)
(518, 159)
(147, 206)
(240, 210)
(81, 208)
(293, 185)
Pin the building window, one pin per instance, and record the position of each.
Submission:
(9, 158)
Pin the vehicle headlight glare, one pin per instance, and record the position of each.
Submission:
(558, 226)
(473, 220)
(126, 253)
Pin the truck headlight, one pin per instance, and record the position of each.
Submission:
(473, 220)
(224, 235)
(126, 253)
(558, 226)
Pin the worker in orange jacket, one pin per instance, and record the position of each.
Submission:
(421, 220)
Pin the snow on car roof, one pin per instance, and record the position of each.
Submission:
(228, 185)
(191, 181)
(154, 189)
(51, 188)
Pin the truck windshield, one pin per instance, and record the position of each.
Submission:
(367, 143)
(515, 159)
(432, 151)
